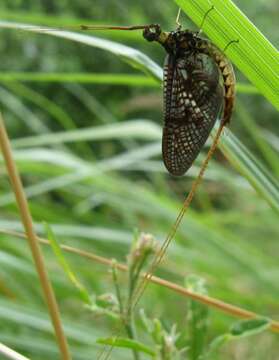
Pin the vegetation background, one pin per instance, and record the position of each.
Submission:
(95, 191)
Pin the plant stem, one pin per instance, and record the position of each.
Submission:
(33, 241)
(125, 316)
(226, 308)
(116, 285)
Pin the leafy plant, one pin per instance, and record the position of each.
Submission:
(165, 343)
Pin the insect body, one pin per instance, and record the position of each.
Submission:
(199, 87)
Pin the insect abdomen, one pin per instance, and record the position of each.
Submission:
(228, 75)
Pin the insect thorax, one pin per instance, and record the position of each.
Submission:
(177, 42)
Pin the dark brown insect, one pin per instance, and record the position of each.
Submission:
(199, 87)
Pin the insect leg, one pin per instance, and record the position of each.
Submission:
(204, 17)
(178, 25)
(229, 43)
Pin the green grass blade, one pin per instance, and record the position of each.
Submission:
(54, 21)
(136, 129)
(236, 152)
(132, 56)
(15, 105)
(37, 320)
(65, 265)
(60, 115)
(254, 55)
(86, 78)
(250, 167)
(134, 80)
(255, 132)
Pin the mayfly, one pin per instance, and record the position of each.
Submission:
(199, 84)
(198, 88)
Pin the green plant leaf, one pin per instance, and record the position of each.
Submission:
(127, 343)
(254, 55)
(65, 266)
(240, 329)
(249, 327)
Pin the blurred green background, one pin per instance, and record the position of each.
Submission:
(95, 192)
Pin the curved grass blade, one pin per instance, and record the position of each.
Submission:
(134, 80)
(236, 152)
(254, 55)
(132, 56)
(250, 167)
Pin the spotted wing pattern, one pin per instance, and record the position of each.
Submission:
(193, 98)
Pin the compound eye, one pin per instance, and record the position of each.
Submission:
(148, 34)
(151, 33)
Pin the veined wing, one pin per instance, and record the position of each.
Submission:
(193, 98)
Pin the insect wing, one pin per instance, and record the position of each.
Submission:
(193, 98)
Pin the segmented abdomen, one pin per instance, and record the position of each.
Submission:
(227, 72)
